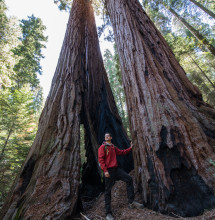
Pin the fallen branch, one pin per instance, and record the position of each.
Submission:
(84, 216)
(99, 196)
(177, 215)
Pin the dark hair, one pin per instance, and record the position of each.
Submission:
(108, 133)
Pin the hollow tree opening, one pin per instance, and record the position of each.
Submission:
(99, 114)
(91, 178)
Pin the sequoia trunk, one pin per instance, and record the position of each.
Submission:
(172, 128)
(48, 184)
(49, 179)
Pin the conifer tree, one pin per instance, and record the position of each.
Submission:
(20, 103)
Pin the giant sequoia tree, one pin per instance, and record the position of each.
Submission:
(48, 184)
(172, 128)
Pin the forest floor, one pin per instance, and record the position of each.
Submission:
(122, 212)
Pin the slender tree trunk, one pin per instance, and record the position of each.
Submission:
(48, 184)
(211, 64)
(173, 130)
(195, 32)
(207, 11)
(5, 144)
(121, 105)
(204, 74)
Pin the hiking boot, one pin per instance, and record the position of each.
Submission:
(136, 205)
(109, 217)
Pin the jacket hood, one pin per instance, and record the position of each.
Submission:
(105, 143)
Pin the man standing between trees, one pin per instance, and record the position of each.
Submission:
(107, 159)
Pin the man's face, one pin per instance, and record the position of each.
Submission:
(108, 137)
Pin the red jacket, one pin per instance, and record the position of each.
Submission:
(107, 155)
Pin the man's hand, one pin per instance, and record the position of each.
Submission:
(107, 174)
(132, 145)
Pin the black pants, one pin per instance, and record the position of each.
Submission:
(117, 174)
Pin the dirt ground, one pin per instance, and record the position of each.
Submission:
(122, 212)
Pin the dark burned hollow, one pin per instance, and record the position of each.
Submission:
(91, 185)
(92, 180)
(189, 195)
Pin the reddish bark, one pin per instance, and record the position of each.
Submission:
(48, 184)
(172, 128)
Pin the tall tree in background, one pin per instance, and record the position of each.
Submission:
(48, 184)
(188, 50)
(207, 11)
(17, 131)
(30, 51)
(195, 65)
(9, 33)
(171, 126)
(158, 16)
(194, 31)
(112, 67)
(20, 102)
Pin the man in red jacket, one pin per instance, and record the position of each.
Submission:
(107, 159)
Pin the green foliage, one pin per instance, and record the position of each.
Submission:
(199, 22)
(9, 32)
(17, 131)
(3, 21)
(64, 4)
(29, 51)
(106, 29)
(210, 4)
(160, 17)
(20, 93)
(188, 50)
(196, 64)
(67, 4)
(112, 67)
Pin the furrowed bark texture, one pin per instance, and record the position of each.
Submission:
(172, 128)
(48, 185)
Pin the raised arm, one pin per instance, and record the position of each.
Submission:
(122, 152)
